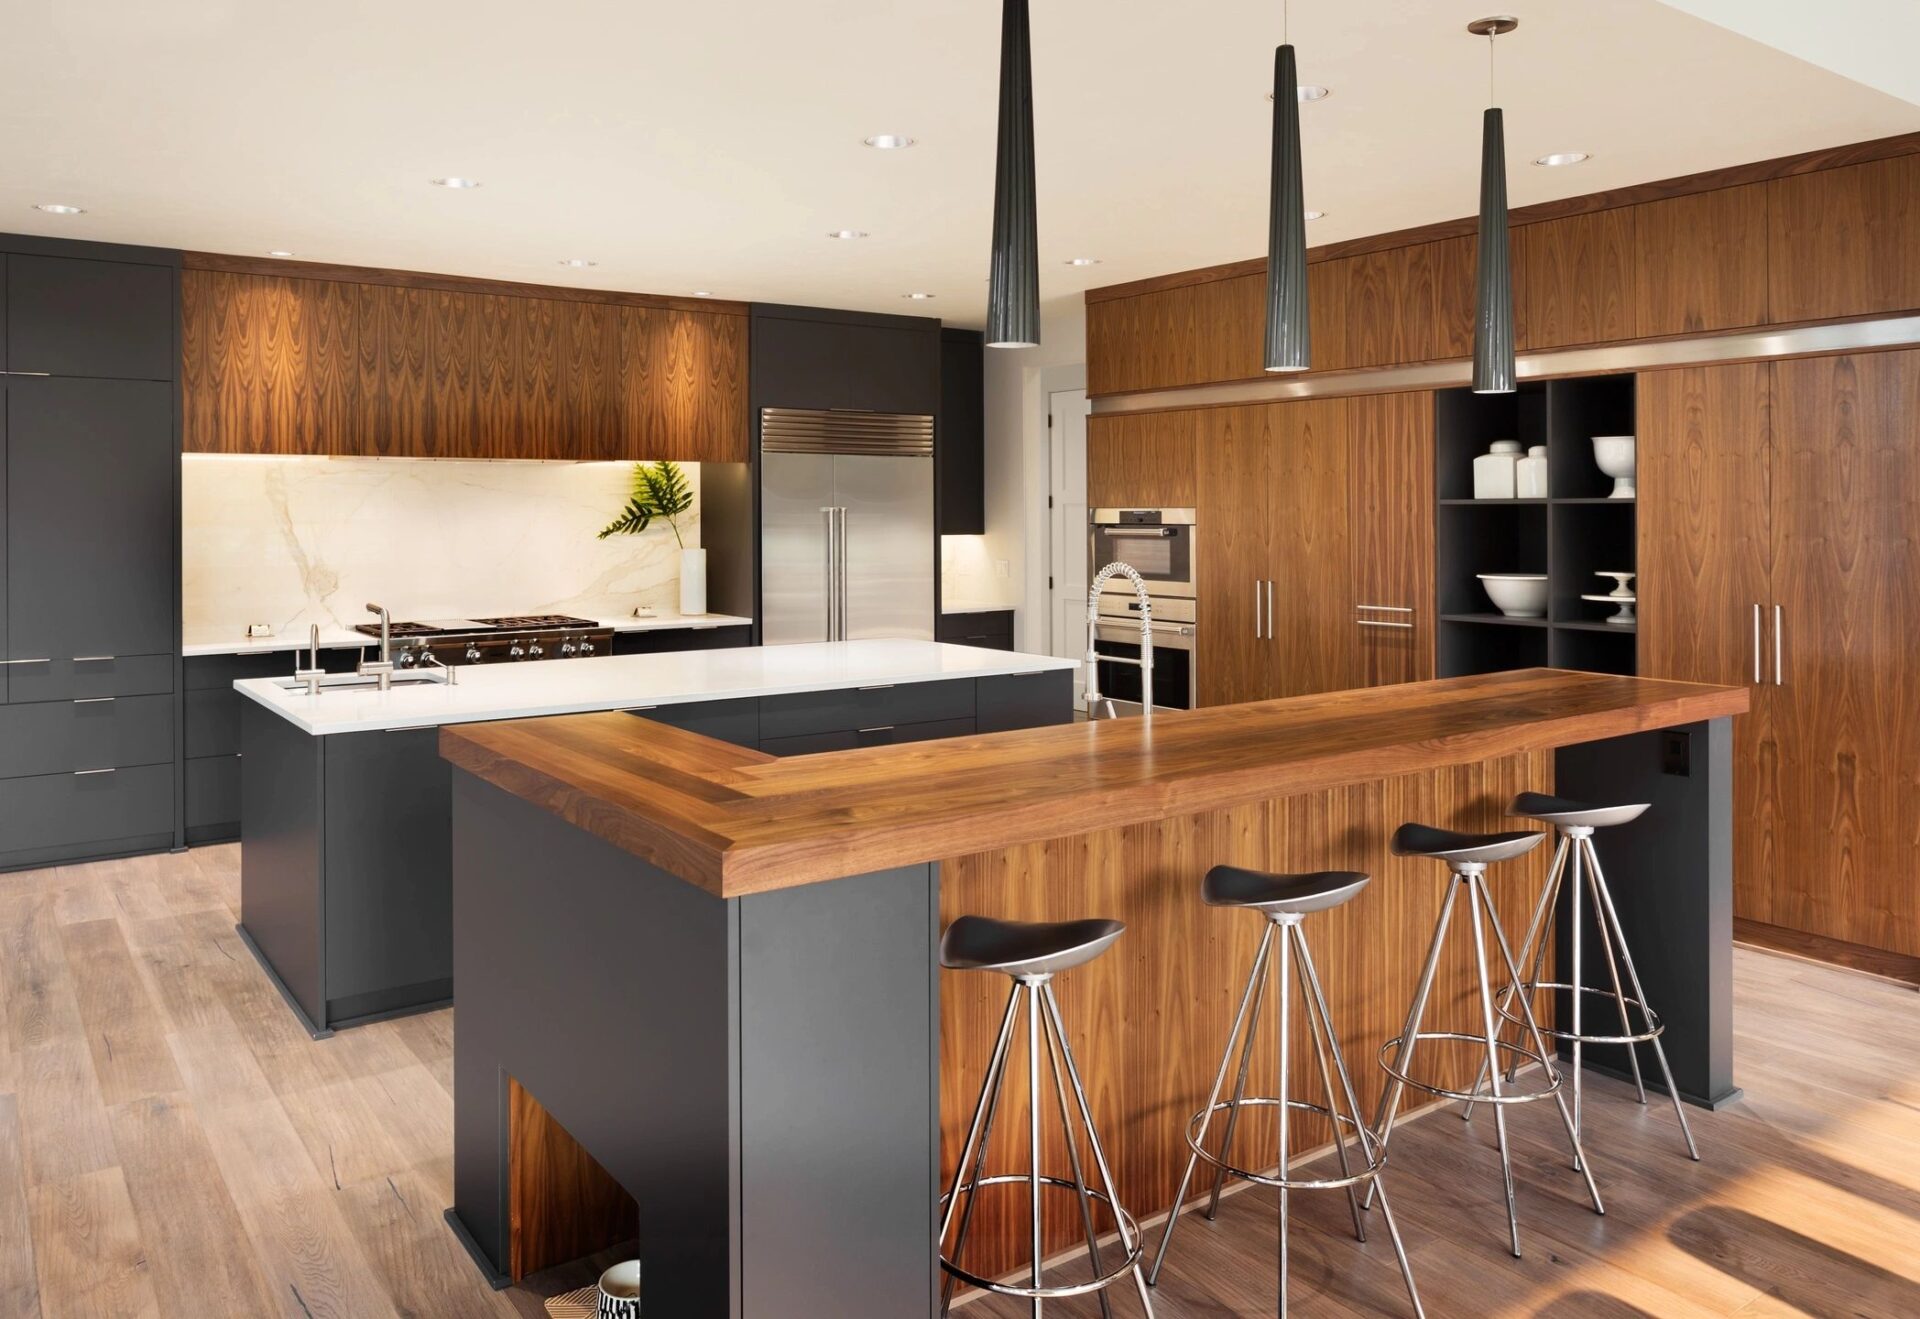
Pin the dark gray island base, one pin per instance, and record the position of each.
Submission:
(716, 970)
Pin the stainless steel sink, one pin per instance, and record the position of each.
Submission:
(358, 682)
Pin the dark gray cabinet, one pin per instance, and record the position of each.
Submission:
(679, 638)
(90, 515)
(74, 316)
(1025, 700)
(990, 629)
(735, 721)
(961, 437)
(805, 357)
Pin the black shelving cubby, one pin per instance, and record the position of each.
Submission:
(1570, 536)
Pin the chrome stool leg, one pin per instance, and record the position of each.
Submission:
(1295, 964)
(1537, 927)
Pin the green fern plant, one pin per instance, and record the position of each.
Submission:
(660, 490)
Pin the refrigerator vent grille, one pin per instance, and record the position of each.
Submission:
(888, 434)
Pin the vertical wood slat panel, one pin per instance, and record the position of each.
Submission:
(1148, 1020)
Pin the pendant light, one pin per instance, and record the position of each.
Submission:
(1013, 292)
(1287, 347)
(1494, 370)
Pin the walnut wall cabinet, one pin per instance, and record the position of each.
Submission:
(1779, 243)
(1314, 545)
(1777, 549)
(292, 363)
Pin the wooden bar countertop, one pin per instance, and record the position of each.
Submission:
(736, 821)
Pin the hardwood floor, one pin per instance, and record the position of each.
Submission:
(171, 1143)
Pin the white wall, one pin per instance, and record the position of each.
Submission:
(1017, 384)
(293, 541)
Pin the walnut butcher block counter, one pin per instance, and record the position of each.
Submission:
(714, 970)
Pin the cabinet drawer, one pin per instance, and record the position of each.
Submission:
(1025, 700)
(76, 679)
(736, 721)
(682, 638)
(865, 707)
(991, 628)
(213, 799)
(66, 810)
(847, 739)
(58, 737)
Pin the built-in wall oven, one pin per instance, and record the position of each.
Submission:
(1118, 633)
(1156, 542)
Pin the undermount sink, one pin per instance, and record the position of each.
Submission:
(359, 682)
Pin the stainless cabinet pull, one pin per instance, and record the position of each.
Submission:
(1778, 679)
(636, 709)
(1386, 609)
(94, 659)
(82, 773)
(93, 700)
(26, 373)
(27, 661)
(1269, 609)
(878, 728)
(1256, 609)
(877, 687)
(1756, 645)
(1370, 622)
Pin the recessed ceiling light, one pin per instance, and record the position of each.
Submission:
(918, 297)
(59, 208)
(1083, 261)
(1316, 215)
(1561, 158)
(1309, 91)
(454, 181)
(578, 262)
(846, 233)
(279, 251)
(889, 141)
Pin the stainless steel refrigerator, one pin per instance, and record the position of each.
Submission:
(846, 525)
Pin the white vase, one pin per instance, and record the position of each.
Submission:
(693, 581)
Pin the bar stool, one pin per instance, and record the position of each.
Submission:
(1285, 901)
(1467, 857)
(1575, 822)
(1031, 954)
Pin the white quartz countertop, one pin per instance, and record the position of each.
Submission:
(625, 682)
(233, 641)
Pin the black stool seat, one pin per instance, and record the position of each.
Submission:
(1451, 845)
(1018, 948)
(1567, 813)
(1231, 886)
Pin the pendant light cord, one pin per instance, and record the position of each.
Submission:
(1286, 22)
(1492, 98)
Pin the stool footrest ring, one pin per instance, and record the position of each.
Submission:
(1517, 1056)
(1130, 1229)
(1365, 1174)
(1654, 1025)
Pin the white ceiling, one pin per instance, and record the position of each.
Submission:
(711, 146)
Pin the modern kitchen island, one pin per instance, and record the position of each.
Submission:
(699, 988)
(346, 849)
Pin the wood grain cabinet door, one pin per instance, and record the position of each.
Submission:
(1844, 242)
(1390, 539)
(1310, 636)
(1706, 552)
(1701, 262)
(1846, 576)
(1579, 278)
(1141, 461)
(1231, 479)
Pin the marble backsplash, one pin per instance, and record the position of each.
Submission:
(294, 541)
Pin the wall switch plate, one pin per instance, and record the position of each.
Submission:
(1676, 753)
(1001, 568)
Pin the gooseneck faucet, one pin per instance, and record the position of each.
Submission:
(1096, 703)
(313, 673)
(382, 667)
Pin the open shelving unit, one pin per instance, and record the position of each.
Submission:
(1571, 536)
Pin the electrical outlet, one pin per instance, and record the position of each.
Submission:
(1001, 568)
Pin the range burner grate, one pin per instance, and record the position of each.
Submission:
(531, 622)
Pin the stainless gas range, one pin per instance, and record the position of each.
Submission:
(495, 640)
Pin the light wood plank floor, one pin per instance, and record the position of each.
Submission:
(171, 1143)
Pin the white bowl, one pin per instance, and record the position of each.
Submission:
(1613, 454)
(1517, 594)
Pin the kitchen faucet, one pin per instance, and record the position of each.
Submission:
(313, 673)
(382, 667)
(1095, 702)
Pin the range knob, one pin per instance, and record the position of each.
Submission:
(533, 650)
(516, 650)
(408, 658)
(567, 647)
(586, 646)
(473, 653)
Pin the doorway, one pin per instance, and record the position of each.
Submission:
(1067, 567)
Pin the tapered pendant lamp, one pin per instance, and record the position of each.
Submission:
(1287, 346)
(1013, 291)
(1494, 370)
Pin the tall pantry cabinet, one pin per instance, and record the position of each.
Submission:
(1780, 549)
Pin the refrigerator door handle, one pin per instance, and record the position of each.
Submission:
(832, 568)
(840, 588)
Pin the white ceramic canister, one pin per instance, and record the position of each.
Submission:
(1530, 474)
(1493, 471)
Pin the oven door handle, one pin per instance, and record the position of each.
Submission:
(1136, 533)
